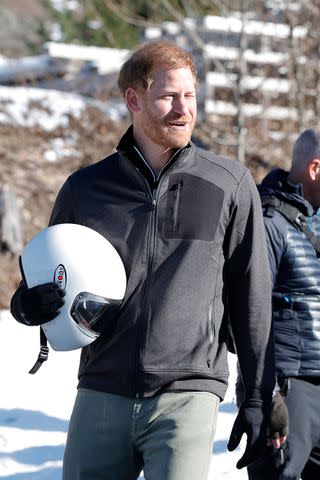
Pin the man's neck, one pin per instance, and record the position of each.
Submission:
(306, 192)
(156, 155)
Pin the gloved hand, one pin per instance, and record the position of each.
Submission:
(37, 305)
(279, 421)
(252, 419)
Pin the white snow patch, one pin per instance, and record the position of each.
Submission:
(49, 109)
(35, 409)
(106, 59)
(62, 5)
(60, 148)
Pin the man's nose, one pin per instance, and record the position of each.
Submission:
(180, 106)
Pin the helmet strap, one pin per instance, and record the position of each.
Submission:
(43, 354)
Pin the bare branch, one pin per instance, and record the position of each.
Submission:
(125, 15)
(198, 41)
(96, 13)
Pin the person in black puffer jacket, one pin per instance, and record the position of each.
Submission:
(291, 202)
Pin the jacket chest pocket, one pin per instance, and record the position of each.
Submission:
(193, 208)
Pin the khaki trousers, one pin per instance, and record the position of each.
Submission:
(169, 436)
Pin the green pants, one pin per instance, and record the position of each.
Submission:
(169, 436)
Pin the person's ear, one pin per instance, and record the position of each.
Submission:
(314, 169)
(132, 100)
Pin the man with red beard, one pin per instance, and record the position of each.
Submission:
(188, 227)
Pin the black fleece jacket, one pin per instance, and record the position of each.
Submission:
(193, 244)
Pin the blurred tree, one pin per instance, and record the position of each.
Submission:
(119, 23)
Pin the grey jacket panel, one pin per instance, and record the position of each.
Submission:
(194, 250)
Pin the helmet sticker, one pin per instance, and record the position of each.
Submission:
(60, 276)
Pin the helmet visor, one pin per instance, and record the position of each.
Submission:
(90, 312)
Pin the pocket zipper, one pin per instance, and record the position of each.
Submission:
(175, 213)
(211, 333)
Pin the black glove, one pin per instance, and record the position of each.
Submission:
(252, 419)
(37, 305)
(279, 418)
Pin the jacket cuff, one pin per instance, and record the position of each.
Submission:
(256, 394)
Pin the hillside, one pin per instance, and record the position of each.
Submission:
(35, 161)
(21, 31)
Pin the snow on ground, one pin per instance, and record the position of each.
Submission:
(50, 109)
(34, 410)
(106, 60)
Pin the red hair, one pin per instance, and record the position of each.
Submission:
(138, 68)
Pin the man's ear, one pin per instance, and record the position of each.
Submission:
(314, 169)
(132, 100)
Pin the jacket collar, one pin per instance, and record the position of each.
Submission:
(128, 146)
(276, 183)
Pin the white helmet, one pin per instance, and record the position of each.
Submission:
(90, 270)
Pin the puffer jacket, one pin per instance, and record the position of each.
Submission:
(193, 244)
(295, 270)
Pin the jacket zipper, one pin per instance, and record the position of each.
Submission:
(151, 251)
(150, 254)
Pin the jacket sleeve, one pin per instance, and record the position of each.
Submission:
(275, 245)
(64, 208)
(249, 290)
(63, 212)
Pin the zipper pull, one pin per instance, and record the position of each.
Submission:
(154, 192)
(176, 186)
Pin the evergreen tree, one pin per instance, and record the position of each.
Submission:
(119, 23)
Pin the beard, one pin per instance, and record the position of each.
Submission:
(161, 131)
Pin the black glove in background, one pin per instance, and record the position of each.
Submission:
(37, 305)
(252, 419)
(279, 418)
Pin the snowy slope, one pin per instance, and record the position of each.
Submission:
(34, 410)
